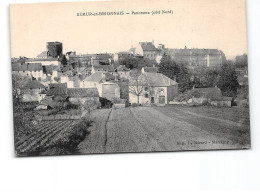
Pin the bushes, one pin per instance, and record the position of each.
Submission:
(68, 144)
(134, 105)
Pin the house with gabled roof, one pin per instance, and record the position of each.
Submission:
(102, 81)
(152, 88)
(34, 70)
(32, 91)
(147, 50)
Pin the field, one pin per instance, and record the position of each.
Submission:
(45, 134)
(172, 128)
(142, 129)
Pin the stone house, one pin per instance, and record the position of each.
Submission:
(34, 70)
(83, 95)
(109, 90)
(152, 88)
(33, 91)
(101, 81)
(147, 50)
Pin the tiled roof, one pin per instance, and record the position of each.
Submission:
(33, 84)
(188, 52)
(99, 76)
(82, 92)
(96, 77)
(58, 89)
(155, 79)
(148, 46)
(102, 56)
(18, 66)
(34, 67)
(41, 59)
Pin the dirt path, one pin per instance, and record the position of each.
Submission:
(145, 129)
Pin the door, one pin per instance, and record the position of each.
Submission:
(161, 99)
(152, 99)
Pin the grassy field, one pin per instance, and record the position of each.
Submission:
(229, 123)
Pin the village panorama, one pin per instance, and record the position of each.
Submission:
(148, 99)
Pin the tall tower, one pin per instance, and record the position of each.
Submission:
(54, 49)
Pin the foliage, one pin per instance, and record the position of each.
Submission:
(173, 70)
(64, 61)
(241, 61)
(211, 78)
(132, 62)
(18, 81)
(129, 62)
(185, 96)
(227, 82)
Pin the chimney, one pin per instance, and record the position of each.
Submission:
(103, 75)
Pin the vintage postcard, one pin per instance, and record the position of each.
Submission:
(129, 76)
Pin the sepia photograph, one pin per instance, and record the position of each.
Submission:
(121, 77)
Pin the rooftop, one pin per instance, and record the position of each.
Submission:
(154, 79)
(33, 84)
(148, 46)
(82, 92)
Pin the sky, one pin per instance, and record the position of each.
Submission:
(219, 24)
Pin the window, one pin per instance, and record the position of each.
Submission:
(146, 88)
(146, 96)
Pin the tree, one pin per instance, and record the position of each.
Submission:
(211, 78)
(241, 61)
(129, 62)
(137, 85)
(64, 61)
(134, 62)
(18, 81)
(173, 70)
(227, 82)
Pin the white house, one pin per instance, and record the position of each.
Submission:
(152, 88)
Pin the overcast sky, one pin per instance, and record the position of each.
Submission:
(217, 24)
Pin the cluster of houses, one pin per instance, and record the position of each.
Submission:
(94, 77)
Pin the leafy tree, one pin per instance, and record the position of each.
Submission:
(129, 62)
(173, 70)
(133, 62)
(211, 78)
(227, 82)
(241, 61)
(64, 61)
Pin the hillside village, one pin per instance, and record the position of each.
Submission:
(55, 80)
